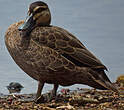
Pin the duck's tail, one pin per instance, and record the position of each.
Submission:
(101, 81)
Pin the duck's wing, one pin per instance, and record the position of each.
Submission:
(67, 45)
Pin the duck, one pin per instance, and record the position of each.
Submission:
(14, 87)
(51, 54)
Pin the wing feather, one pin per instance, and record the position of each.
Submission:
(68, 46)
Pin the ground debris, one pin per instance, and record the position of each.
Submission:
(79, 99)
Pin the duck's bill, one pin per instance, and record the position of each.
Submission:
(28, 23)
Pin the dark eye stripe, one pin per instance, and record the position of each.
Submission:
(39, 10)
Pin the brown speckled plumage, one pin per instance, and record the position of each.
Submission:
(52, 55)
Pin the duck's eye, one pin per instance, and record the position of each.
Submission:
(39, 10)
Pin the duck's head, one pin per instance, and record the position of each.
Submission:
(38, 15)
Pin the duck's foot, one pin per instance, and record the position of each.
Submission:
(40, 99)
(45, 98)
